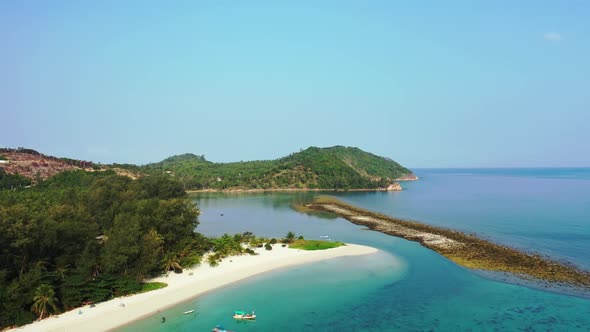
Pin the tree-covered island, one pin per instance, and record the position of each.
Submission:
(334, 168)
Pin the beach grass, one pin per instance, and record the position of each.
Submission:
(315, 244)
(150, 286)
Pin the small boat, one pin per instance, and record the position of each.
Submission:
(220, 328)
(243, 315)
(188, 312)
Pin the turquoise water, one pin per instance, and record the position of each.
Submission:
(405, 287)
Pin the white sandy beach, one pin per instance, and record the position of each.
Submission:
(182, 287)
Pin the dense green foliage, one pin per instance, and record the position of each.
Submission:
(87, 237)
(12, 181)
(314, 168)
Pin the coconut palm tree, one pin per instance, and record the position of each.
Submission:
(44, 300)
(171, 262)
(290, 237)
(156, 238)
(247, 237)
(61, 271)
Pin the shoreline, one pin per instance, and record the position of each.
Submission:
(394, 186)
(185, 286)
(248, 191)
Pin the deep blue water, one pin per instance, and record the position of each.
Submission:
(405, 287)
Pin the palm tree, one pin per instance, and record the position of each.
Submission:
(61, 271)
(247, 237)
(185, 252)
(290, 237)
(171, 262)
(44, 300)
(154, 237)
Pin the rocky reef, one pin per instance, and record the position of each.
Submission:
(464, 249)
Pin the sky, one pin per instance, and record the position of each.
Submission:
(426, 83)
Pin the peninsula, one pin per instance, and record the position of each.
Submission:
(463, 249)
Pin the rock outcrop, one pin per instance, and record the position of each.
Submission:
(394, 187)
(407, 177)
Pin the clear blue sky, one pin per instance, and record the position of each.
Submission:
(429, 84)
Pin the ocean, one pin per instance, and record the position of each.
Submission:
(405, 287)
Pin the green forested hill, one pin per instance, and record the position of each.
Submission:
(336, 167)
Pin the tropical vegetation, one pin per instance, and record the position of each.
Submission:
(334, 168)
(44, 300)
(83, 237)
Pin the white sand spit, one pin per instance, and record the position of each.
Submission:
(183, 287)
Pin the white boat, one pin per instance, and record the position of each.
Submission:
(189, 312)
(242, 315)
